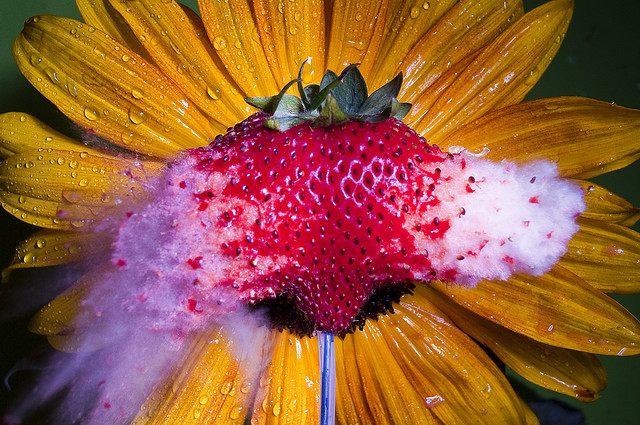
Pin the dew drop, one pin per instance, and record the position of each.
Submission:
(276, 410)
(235, 412)
(293, 30)
(34, 60)
(531, 79)
(426, 5)
(127, 138)
(73, 164)
(41, 243)
(415, 12)
(23, 118)
(137, 115)
(226, 388)
(91, 114)
(22, 199)
(137, 93)
(203, 400)
(359, 16)
(219, 43)
(83, 183)
(213, 93)
(126, 58)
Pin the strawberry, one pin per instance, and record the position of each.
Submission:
(326, 209)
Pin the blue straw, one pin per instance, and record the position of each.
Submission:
(327, 379)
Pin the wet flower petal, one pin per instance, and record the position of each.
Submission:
(292, 32)
(606, 206)
(210, 385)
(585, 137)
(502, 73)
(21, 132)
(107, 88)
(404, 24)
(65, 189)
(466, 27)
(177, 41)
(289, 391)
(557, 308)
(354, 32)
(100, 14)
(234, 35)
(574, 373)
(425, 344)
(606, 256)
(52, 247)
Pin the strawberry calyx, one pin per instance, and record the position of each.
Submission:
(337, 100)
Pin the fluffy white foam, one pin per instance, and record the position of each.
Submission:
(505, 219)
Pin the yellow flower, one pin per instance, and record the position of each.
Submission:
(153, 78)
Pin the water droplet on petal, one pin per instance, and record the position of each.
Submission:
(426, 5)
(137, 115)
(41, 243)
(137, 93)
(219, 43)
(83, 183)
(91, 114)
(213, 93)
(415, 12)
(34, 60)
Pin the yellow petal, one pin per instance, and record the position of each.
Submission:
(354, 33)
(606, 206)
(107, 88)
(51, 248)
(502, 73)
(57, 320)
(383, 391)
(557, 308)
(289, 390)
(65, 189)
(584, 137)
(234, 34)
(606, 256)
(211, 385)
(100, 14)
(455, 378)
(292, 32)
(178, 44)
(21, 132)
(574, 373)
(465, 28)
(404, 24)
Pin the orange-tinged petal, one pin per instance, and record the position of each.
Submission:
(455, 378)
(292, 32)
(352, 405)
(177, 41)
(289, 390)
(65, 189)
(557, 308)
(101, 15)
(21, 132)
(354, 33)
(390, 395)
(53, 247)
(107, 88)
(606, 206)
(234, 35)
(404, 24)
(213, 384)
(605, 255)
(465, 28)
(585, 137)
(503, 72)
(574, 373)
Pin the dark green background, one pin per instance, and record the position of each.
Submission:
(600, 58)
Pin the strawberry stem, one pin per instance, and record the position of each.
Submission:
(327, 378)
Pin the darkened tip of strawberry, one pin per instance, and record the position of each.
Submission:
(336, 100)
(283, 313)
